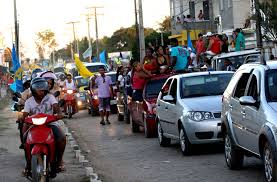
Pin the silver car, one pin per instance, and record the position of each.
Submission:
(189, 108)
(249, 114)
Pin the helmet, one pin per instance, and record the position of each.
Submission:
(62, 76)
(26, 84)
(35, 73)
(49, 75)
(39, 84)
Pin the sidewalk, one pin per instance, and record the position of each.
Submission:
(12, 158)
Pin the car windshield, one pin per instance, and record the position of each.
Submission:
(95, 68)
(153, 87)
(271, 80)
(59, 69)
(81, 82)
(204, 85)
(236, 61)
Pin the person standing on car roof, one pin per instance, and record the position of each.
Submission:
(240, 40)
(105, 92)
(179, 57)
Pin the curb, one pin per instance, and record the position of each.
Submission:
(93, 177)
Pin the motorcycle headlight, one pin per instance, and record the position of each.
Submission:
(199, 115)
(78, 95)
(39, 121)
(69, 91)
(95, 97)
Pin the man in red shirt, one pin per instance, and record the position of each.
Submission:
(200, 47)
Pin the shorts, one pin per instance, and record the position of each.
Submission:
(104, 104)
(137, 95)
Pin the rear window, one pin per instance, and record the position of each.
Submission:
(95, 68)
(81, 82)
(271, 81)
(153, 87)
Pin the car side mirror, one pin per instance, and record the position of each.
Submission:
(86, 88)
(168, 98)
(247, 101)
(57, 93)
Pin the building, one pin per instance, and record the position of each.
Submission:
(185, 18)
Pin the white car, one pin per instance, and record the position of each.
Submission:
(189, 108)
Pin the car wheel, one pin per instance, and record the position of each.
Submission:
(127, 116)
(147, 131)
(120, 117)
(233, 156)
(162, 139)
(135, 127)
(270, 168)
(184, 142)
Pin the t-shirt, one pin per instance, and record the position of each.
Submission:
(240, 42)
(70, 86)
(103, 84)
(182, 57)
(46, 105)
(121, 80)
(200, 46)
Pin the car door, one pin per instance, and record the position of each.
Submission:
(235, 107)
(161, 104)
(250, 122)
(171, 110)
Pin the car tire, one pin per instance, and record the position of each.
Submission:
(163, 141)
(233, 156)
(270, 167)
(185, 144)
(120, 117)
(127, 116)
(135, 127)
(147, 131)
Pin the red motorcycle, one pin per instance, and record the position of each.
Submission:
(70, 103)
(40, 147)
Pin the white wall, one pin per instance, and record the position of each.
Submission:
(241, 11)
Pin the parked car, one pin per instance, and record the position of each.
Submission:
(144, 113)
(249, 113)
(92, 97)
(237, 58)
(189, 109)
(81, 83)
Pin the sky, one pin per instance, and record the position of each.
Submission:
(39, 15)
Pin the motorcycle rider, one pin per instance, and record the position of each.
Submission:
(44, 102)
(69, 84)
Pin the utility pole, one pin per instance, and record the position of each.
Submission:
(96, 28)
(76, 44)
(89, 38)
(141, 32)
(137, 28)
(16, 27)
(211, 15)
(258, 25)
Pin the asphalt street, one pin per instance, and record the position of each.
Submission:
(118, 155)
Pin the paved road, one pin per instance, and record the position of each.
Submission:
(119, 155)
(12, 159)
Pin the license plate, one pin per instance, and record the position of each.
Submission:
(113, 102)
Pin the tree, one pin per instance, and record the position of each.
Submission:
(45, 43)
(269, 19)
(165, 25)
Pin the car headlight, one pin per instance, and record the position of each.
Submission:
(199, 115)
(39, 121)
(79, 103)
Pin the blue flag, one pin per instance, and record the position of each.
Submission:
(17, 69)
(102, 57)
(190, 42)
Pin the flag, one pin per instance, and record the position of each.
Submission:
(82, 69)
(102, 57)
(87, 53)
(17, 69)
(190, 42)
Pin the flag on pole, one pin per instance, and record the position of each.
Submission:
(17, 69)
(102, 57)
(82, 69)
(87, 53)
(190, 42)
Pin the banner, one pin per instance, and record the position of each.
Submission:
(82, 69)
(87, 53)
(102, 57)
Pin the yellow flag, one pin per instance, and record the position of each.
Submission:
(82, 69)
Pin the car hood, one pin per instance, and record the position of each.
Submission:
(209, 103)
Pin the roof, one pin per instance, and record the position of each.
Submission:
(111, 73)
(269, 65)
(237, 53)
(93, 64)
(202, 73)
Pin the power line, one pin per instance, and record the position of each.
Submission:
(75, 45)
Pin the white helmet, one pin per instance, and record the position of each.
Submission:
(48, 75)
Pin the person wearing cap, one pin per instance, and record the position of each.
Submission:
(179, 57)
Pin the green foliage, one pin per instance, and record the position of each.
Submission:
(45, 42)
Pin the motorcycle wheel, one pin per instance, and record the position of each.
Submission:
(37, 169)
